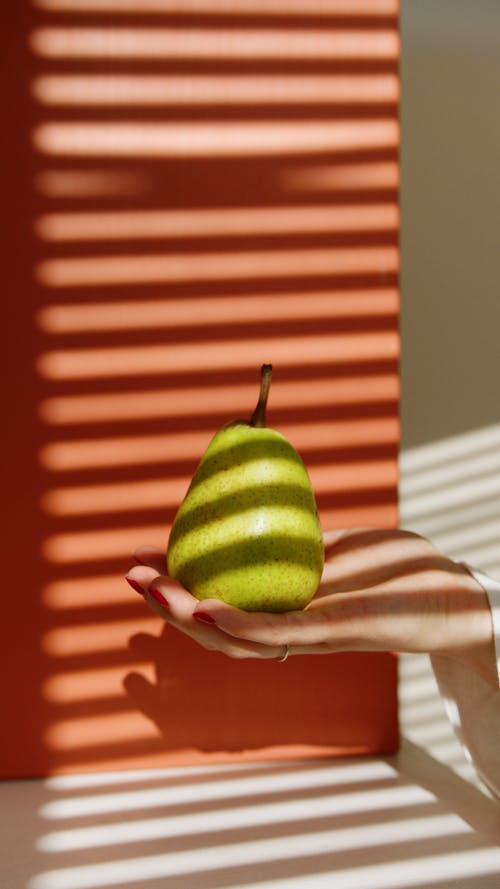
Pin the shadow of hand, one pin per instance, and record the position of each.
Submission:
(177, 702)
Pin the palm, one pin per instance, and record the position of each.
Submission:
(389, 589)
(380, 590)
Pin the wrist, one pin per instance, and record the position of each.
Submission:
(478, 651)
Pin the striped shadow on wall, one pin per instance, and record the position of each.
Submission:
(212, 185)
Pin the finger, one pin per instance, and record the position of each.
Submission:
(333, 536)
(151, 556)
(173, 603)
(182, 608)
(167, 598)
(139, 578)
(298, 628)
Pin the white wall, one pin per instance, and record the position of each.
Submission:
(450, 115)
(450, 460)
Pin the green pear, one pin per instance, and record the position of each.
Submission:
(248, 531)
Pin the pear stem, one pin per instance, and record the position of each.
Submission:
(258, 417)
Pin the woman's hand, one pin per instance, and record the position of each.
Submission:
(381, 590)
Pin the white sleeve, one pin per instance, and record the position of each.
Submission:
(472, 704)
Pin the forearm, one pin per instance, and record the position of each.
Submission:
(470, 690)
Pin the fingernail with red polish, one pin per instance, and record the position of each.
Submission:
(135, 586)
(157, 596)
(203, 617)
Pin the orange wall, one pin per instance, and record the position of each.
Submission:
(190, 195)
